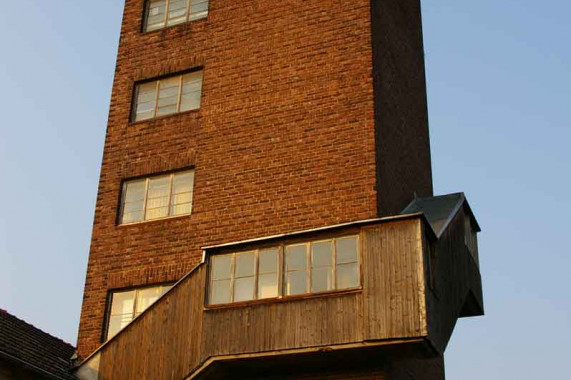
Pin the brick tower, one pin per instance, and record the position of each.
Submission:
(265, 205)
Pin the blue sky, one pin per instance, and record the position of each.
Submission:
(499, 83)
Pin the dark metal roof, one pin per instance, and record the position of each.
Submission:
(440, 210)
(30, 347)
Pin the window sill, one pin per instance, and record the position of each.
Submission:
(124, 225)
(283, 299)
(159, 118)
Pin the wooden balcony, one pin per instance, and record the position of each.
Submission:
(417, 277)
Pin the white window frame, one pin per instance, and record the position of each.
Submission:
(233, 277)
(157, 83)
(188, 15)
(147, 180)
(282, 271)
(135, 300)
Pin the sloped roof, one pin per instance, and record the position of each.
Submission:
(440, 210)
(29, 346)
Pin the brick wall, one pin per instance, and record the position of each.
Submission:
(284, 139)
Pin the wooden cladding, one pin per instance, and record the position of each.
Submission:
(178, 334)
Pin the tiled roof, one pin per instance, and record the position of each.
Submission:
(29, 346)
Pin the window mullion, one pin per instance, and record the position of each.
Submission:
(232, 277)
(188, 7)
(157, 90)
(256, 271)
(134, 313)
(309, 268)
(167, 6)
(179, 98)
(334, 263)
(281, 271)
(146, 199)
(170, 208)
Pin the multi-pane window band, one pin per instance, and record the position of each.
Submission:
(126, 305)
(290, 270)
(167, 96)
(157, 197)
(162, 13)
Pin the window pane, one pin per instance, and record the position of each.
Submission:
(132, 217)
(221, 267)
(348, 276)
(245, 264)
(146, 297)
(296, 283)
(191, 91)
(181, 209)
(168, 96)
(183, 182)
(157, 213)
(322, 253)
(347, 251)
(134, 201)
(220, 292)
(268, 261)
(156, 14)
(123, 303)
(244, 289)
(145, 108)
(321, 279)
(198, 9)
(159, 186)
(177, 12)
(117, 323)
(267, 285)
(296, 257)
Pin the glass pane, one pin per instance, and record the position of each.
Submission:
(296, 257)
(267, 285)
(181, 198)
(156, 14)
(347, 251)
(157, 213)
(181, 209)
(244, 289)
(268, 261)
(153, 203)
(177, 11)
(118, 323)
(296, 283)
(199, 9)
(191, 91)
(245, 264)
(159, 187)
(348, 276)
(132, 217)
(221, 267)
(220, 292)
(165, 288)
(322, 253)
(321, 279)
(123, 303)
(133, 207)
(146, 297)
(183, 182)
(190, 102)
(146, 94)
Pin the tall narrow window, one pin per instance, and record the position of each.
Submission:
(268, 273)
(296, 269)
(127, 305)
(168, 96)
(163, 13)
(322, 266)
(157, 197)
(347, 263)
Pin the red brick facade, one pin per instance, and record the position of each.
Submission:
(285, 139)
